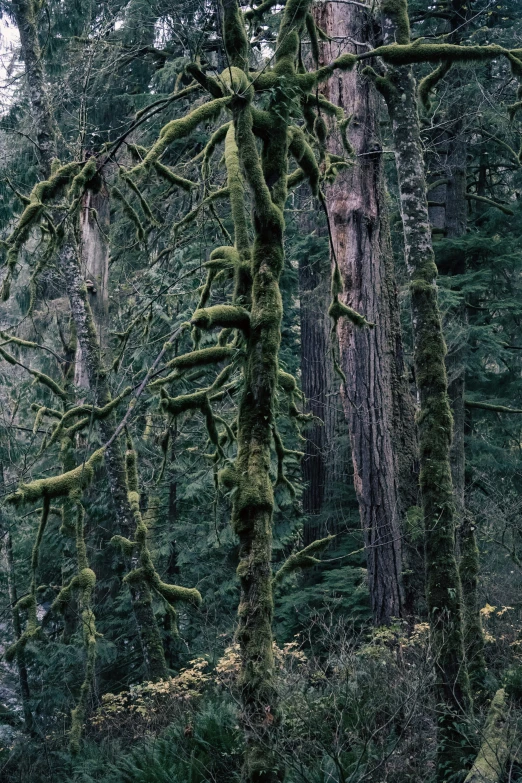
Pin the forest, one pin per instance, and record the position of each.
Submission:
(260, 391)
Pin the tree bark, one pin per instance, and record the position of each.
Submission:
(435, 421)
(94, 230)
(324, 465)
(376, 399)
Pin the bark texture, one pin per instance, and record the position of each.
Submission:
(435, 419)
(324, 465)
(376, 399)
(94, 230)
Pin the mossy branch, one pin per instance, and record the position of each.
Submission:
(179, 129)
(490, 202)
(58, 486)
(488, 406)
(41, 377)
(492, 757)
(187, 361)
(226, 316)
(429, 82)
(305, 558)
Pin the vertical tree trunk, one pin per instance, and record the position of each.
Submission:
(94, 230)
(435, 420)
(375, 395)
(325, 462)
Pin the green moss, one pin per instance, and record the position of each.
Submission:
(59, 486)
(180, 128)
(397, 10)
(339, 310)
(227, 316)
(304, 157)
(429, 82)
(237, 194)
(492, 757)
(130, 212)
(305, 558)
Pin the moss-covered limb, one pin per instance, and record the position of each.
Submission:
(473, 632)
(213, 86)
(130, 212)
(489, 406)
(304, 157)
(443, 591)
(226, 316)
(41, 377)
(490, 202)
(192, 215)
(339, 310)
(281, 453)
(179, 129)
(41, 194)
(206, 153)
(305, 558)
(258, 11)
(87, 411)
(345, 62)
(172, 178)
(429, 82)
(28, 602)
(237, 194)
(437, 183)
(234, 35)
(58, 486)
(144, 578)
(85, 581)
(493, 754)
(147, 211)
(187, 361)
(80, 181)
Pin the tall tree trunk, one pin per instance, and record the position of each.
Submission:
(94, 246)
(86, 332)
(325, 461)
(376, 399)
(435, 420)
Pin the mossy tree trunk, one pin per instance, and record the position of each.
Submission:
(376, 399)
(86, 330)
(435, 419)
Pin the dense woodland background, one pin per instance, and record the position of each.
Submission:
(123, 260)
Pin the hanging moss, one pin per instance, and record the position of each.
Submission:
(141, 198)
